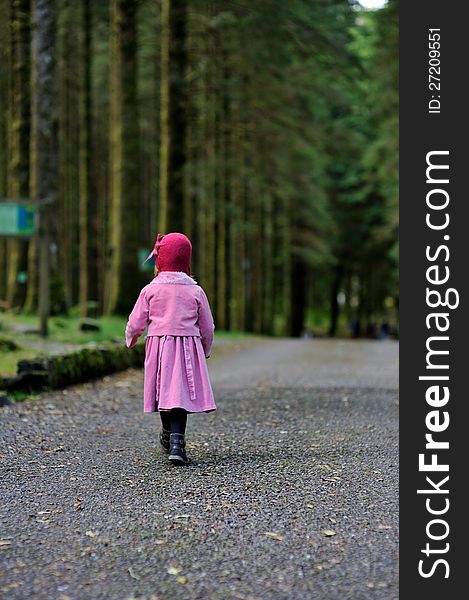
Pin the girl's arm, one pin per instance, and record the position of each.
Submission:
(206, 324)
(137, 321)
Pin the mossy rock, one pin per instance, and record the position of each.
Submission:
(89, 325)
(7, 345)
(27, 382)
(37, 364)
(78, 367)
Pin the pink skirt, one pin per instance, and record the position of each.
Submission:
(176, 375)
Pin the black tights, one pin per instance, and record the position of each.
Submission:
(174, 420)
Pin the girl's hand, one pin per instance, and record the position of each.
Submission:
(131, 340)
(205, 322)
(137, 321)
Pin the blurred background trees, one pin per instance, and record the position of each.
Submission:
(266, 131)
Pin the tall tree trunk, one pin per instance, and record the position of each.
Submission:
(68, 147)
(124, 276)
(283, 262)
(87, 208)
(189, 209)
(298, 296)
(44, 162)
(222, 258)
(268, 266)
(100, 146)
(334, 306)
(210, 126)
(19, 122)
(173, 95)
(256, 235)
(4, 83)
(237, 249)
(4, 72)
(238, 263)
(149, 64)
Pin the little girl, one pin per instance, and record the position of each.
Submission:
(178, 342)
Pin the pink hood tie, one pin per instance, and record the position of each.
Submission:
(156, 247)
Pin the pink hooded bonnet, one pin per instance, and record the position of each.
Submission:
(172, 252)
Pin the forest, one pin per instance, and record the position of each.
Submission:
(266, 131)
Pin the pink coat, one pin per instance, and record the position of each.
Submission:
(178, 341)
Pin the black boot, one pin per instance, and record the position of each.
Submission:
(177, 452)
(164, 439)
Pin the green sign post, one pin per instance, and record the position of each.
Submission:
(18, 219)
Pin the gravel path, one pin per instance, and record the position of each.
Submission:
(291, 492)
